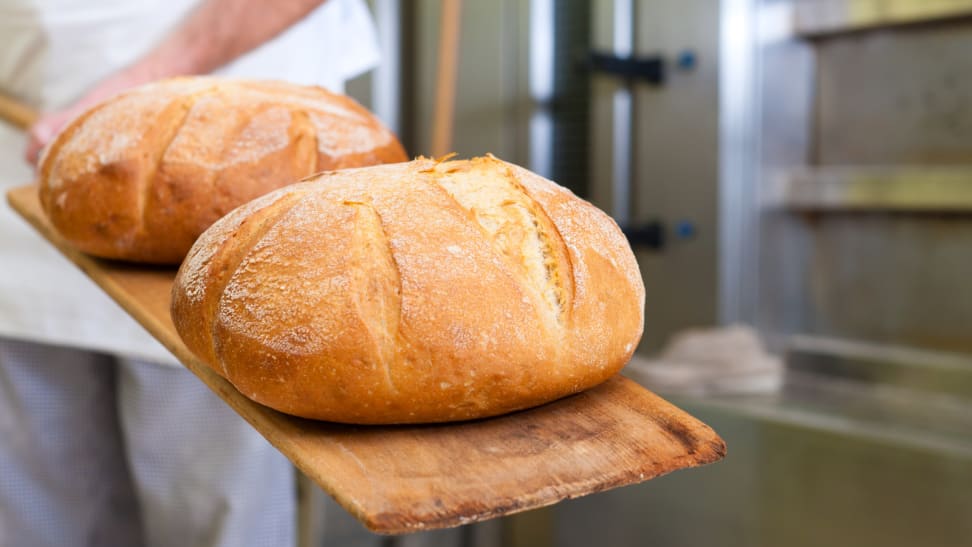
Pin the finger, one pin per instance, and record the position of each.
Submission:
(38, 137)
(32, 151)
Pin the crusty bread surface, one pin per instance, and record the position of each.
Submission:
(417, 292)
(140, 176)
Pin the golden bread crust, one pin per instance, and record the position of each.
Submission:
(141, 175)
(417, 292)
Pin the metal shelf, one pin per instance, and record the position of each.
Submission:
(812, 18)
(920, 370)
(866, 188)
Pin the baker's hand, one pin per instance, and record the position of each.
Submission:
(50, 123)
(43, 131)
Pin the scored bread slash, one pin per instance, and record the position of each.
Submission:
(399, 479)
(426, 291)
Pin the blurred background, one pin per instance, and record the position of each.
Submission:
(800, 167)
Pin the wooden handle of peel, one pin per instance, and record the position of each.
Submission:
(17, 113)
(447, 71)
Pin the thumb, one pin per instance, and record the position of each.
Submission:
(39, 135)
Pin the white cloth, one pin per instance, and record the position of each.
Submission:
(175, 468)
(727, 360)
(51, 51)
(54, 50)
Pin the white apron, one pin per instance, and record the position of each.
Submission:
(51, 51)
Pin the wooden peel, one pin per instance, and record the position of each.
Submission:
(16, 113)
(447, 70)
(408, 478)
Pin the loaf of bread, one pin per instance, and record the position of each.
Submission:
(140, 176)
(416, 292)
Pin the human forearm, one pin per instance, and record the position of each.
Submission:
(216, 33)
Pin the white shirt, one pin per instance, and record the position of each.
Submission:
(51, 52)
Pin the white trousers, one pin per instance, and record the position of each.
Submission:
(101, 451)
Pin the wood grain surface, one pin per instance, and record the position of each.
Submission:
(17, 113)
(402, 479)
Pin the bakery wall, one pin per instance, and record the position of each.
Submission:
(665, 147)
(492, 75)
(809, 164)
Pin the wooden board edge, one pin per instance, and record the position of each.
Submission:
(393, 524)
(707, 447)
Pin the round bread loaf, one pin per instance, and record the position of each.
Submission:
(417, 292)
(141, 175)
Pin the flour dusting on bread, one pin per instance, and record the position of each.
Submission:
(414, 292)
(141, 175)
